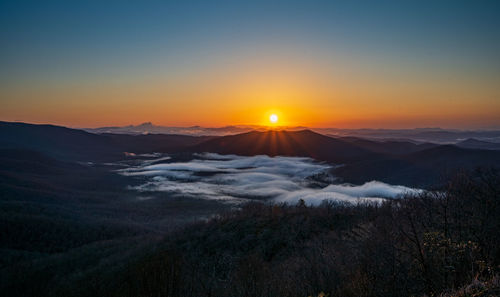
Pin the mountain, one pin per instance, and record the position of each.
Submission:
(423, 168)
(425, 135)
(77, 145)
(434, 135)
(58, 142)
(35, 176)
(396, 162)
(150, 143)
(150, 128)
(478, 144)
(304, 143)
(397, 147)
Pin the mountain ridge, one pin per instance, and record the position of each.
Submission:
(362, 159)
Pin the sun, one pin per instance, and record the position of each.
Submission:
(273, 118)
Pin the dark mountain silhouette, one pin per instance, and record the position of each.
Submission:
(473, 143)
(363, 160)
(29, 161)
(303, 143)
(423, 168)
(27, 175)
(396, 147)
(55, 141)
(395, 162)
(148, 143)
(434, 135)
(454, 136)
(77, 145)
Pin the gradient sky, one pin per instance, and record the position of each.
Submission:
(346, 64)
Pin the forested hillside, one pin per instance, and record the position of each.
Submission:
(435, 243)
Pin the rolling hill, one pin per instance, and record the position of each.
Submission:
(77, 145)
(473, 143)
(363, 160)
(424, 168)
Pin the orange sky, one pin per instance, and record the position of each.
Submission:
(308, 92)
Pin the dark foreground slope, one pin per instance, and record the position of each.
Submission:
(61, 222)
(419, 245)
(416, 246)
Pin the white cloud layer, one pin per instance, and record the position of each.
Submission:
(237, 178)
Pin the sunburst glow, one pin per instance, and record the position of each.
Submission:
(273, 118)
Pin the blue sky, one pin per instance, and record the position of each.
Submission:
(88, 35)
(49, 43)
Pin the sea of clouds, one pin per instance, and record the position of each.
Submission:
(238, 178)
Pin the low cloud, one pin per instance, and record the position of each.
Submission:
(237, 178)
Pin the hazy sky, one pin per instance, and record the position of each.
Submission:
(314, 63)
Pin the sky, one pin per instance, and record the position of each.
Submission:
(346, 64)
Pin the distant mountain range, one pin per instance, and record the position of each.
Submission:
(393, 161)
(149, 128)
(435, 135)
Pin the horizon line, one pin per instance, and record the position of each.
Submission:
(267, 127)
